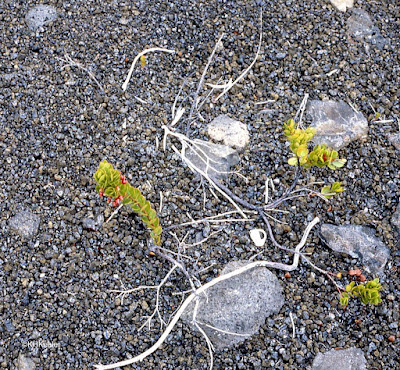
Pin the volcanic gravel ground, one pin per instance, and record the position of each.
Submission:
(57, 124)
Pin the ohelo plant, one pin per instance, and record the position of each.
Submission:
(329, 191)
(111, 183)
(367, 292)
(320, 155)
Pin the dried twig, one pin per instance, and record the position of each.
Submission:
(244, 73)
(200, 85)
(125, 84)
(203, 289)
(293, 327)
(114, 213)
(72, 63)
(124, 293)
(209, 344)
(301, 110)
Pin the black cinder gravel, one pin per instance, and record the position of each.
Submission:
(57, 123)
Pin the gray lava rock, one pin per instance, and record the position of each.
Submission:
(343, 5)
(336, 123)
(361, 27)
(24, 223)
(213, 159)
(359, 242)
(25, 363)
(395, 220)
(40, 15)
(93, 224)
(232, 132)
(9, 326)
(238, 305)
(89, 223)
(349, 359)
(395, 140)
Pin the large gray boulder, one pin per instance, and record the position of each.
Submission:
(336, 123)
(359, 242)
(233, 310)
(345, 359)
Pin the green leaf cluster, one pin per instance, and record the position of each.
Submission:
(320, 156)
(299, 140)
(109, 182)
(330, 191)
(367, 293)
(107, 179)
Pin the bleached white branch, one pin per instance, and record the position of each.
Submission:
(293, 327)
(72, 63)
(203, 289)
(125, 84)
(226, 89)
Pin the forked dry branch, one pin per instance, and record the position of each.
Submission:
(243, 208)
(203, 289)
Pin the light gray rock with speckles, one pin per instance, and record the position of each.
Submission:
(230, 131)
(359, 242)
(395, 220)
(212, 159)
(40, 16)
(24, 223)
(237, 306)
(395, 140)
(336, 123)
(346, 359)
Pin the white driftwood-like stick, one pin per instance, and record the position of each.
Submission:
(202, 289)
(226, 89)
(125, 85)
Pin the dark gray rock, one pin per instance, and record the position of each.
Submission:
(230, 131)
(359, 242)
(40, 15)
(336, 123)
(25, 224)
(362, 28)
(349, 359)
(395, 140)
(213, 159)
(93, 224)
(25, 363)
(9, 326)
(395, 220)
(238, 305)
(89, 223)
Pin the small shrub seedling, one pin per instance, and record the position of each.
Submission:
(112, 184)
(320, 156)
(367, 292)
(330, 191)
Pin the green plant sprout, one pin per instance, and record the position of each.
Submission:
(330, 191)
(367, 292)
(320, 155)
(115, 186)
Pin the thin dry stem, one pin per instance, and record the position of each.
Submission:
(114, 213)
(125, 84)
(200, 85)
(72, 63)
(293, 327)
(203, 289)
(222, 330)
(301, 110)
(248, 68)
(209, 343)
